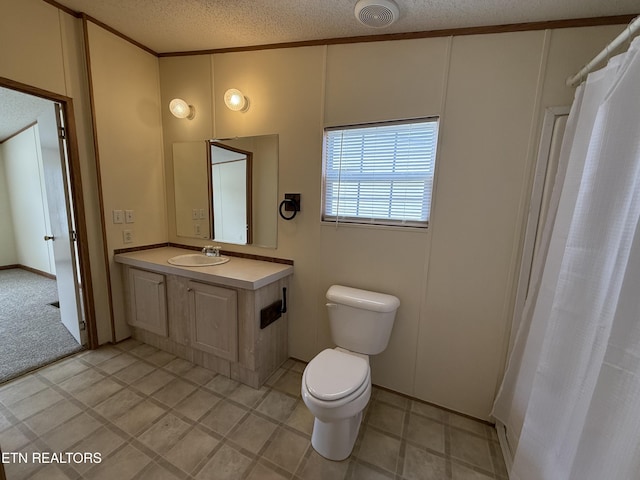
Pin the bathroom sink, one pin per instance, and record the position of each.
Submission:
(196, 260)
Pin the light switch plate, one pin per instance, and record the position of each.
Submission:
(118, 216)
(194, 214)
(129, 216)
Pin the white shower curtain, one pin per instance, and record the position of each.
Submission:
(570, 399)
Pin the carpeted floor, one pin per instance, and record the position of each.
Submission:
(31, 333)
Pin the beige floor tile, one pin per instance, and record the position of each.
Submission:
(50, 472)
(253, 433)
(364, 472)
(425, 432)
(315, 467)
(95, 357)
(469, 424)
(5, 422)
(179, 366)
(34, 403)
(197, 404)
(386, 417)
(81, 381)
(422, 465)
(174, 392)
(246, 395)
(460, 472)
(301, 418)
(140, 417)
(392, 399)
(290, 383)
(199, 375)
(155, 471)
(160, 358)
(58, 372)
(222, 385)
(123, 465)
(471, 449)
(116, 363)
(223, 417)
(18, 469)
(134, 371)
(429, 411)
(143, 350)
(380, 450)
(102, 441)
(98, 392)
(164, 434)
(192, 450)
(20, 389)
(154, 381)
(71, 432)
(118, 404)
(52, 416)
(128, 344)
(277, 405)
(226, 464)
(13, 439)
(262, 472)
(287, 449)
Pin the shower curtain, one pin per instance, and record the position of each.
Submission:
(570, 398)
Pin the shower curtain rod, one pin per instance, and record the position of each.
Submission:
(626, 34)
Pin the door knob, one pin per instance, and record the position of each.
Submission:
(49, 237)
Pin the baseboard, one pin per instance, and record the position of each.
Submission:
(29, 269)
(504, 445)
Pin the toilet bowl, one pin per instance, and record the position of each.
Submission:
(336, 384)
(336, 388)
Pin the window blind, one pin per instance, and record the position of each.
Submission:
(380, 173)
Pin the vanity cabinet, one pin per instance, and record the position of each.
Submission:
(147, 301)
(210, 320)
(213, 320)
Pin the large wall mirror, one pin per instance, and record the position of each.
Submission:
(227, 190)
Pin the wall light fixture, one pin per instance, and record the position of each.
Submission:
(181, 109)
(236, 101)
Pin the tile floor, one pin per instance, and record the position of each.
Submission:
(151, 415)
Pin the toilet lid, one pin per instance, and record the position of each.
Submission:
(333, 375)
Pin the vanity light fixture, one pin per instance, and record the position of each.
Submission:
(181, 109)
(235, 100)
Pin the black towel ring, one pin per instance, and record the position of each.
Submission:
(296, 208)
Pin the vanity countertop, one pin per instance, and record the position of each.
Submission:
(237, 272)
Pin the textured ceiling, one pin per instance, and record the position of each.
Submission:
(187, 25)
(17, 111)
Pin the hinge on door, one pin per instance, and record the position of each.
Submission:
(74, 236)
(83, 325)
(62, 133)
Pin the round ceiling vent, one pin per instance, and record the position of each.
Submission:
(376, 13)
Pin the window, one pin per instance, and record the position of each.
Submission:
(381, 173)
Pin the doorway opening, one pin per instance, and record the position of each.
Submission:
(46, 299)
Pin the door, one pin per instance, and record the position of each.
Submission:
(62, 233)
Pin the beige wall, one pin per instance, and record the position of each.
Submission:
(126, 94)
(455, 280)
(51, 58)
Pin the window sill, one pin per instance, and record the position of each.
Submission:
(375, 227)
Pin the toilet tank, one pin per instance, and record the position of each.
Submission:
(360, 320)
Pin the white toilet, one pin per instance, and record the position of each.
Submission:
(336, 385)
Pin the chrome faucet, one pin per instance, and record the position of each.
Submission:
(211, 251)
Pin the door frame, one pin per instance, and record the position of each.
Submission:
(76, 201)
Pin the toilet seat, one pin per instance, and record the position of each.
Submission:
(335, 376)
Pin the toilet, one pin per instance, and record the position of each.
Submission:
(336, 384)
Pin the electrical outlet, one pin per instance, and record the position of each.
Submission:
(127, 236)
(118, 216)
(196, 229)
(129, 216)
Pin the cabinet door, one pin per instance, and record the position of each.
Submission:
(148, 301)
(214, 320)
